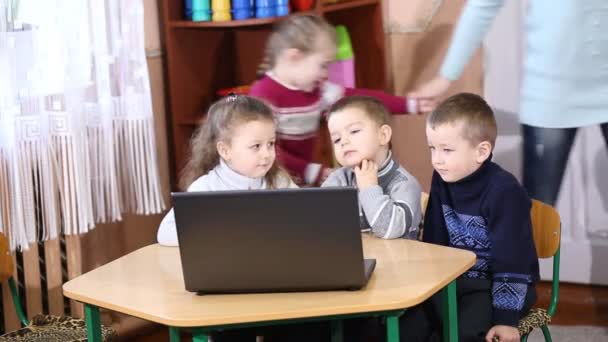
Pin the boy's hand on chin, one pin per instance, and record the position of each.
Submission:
(366, 174)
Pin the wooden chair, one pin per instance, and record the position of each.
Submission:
(546, 226)
(424, 201)
(41, 327)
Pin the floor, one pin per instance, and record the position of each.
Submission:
(577, 304)
(574, 333)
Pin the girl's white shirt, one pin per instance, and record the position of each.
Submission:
(222, 177)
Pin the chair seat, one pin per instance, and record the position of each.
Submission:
(45, 328)
(536, 318)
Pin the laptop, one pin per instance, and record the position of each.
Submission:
(271, 240)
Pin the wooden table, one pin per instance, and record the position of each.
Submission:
(148, 284)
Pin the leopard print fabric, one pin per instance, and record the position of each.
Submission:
(47, 328)
(536, 318)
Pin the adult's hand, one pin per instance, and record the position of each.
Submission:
(431, 90)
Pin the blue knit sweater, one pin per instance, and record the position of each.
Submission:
(488, 213)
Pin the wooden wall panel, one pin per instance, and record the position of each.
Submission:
(414, 58)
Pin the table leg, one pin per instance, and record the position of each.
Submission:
(337, 331)
(174, 334)
(93, 321)
(392, 328)
(450, 313)
(200, 335)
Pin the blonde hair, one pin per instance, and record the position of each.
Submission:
(223, 116)
(298, 31)
(473, 110)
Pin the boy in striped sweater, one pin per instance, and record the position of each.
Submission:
(389, 196)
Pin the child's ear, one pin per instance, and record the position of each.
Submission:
(484, 149)
(293, 54)
(386, 132)
(223, 150)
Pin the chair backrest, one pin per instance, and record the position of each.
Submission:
(546, 228)
(6, 260)
(424, 201)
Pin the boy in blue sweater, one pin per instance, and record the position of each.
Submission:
(476, 205)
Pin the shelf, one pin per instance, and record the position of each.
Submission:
(224, 24)
(344, 5)
(325, 8)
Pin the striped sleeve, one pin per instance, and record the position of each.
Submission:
(392, 215)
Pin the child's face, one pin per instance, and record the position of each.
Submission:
(454, 157)
(250, 151)
(356, 137)
(309, 70)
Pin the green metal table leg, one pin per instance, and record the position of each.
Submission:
(392, 328)
(200, 335)
(91, 314)
(337, 330)
(450, 313)
(174, 334)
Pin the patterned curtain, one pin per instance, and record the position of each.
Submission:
(77, 143)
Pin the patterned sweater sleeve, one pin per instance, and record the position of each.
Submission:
(512, 252)
(394, 214)
(167, 231)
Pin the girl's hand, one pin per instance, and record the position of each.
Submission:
(366, 174)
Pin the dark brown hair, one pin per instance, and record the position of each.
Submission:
(372, 107)
(473, 110)
(223, 116)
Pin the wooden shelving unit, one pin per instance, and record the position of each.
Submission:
(346, 5)
(224, 24)
(202, 57)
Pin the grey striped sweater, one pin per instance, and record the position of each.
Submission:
(390, 209)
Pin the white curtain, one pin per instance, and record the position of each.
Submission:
(77, 142)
